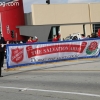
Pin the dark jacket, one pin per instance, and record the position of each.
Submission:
(2, 41)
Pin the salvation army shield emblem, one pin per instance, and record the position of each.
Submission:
(17, 55)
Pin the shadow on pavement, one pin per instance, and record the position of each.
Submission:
(43, 68)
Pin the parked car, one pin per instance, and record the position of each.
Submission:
(69, 38)
(74, 36)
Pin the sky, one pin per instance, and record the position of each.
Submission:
(27, 3)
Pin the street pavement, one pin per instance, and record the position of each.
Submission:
(66, 80)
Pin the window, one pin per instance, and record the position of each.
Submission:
(96, 27)
(54, 31)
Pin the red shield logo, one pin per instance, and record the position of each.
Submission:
(17, 55)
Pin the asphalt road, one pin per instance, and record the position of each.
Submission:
(71, 80)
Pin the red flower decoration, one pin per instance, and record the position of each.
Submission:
(93, 46)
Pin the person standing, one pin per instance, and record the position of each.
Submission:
(88, 36)
(83, 36)
(2, 52)
(55, 38)
(29, 40)
(98, 33)
(32, 40)
(35, 39)
(59, 36)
